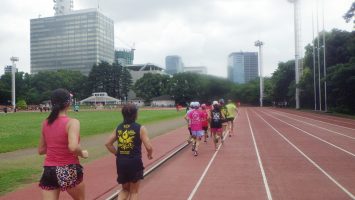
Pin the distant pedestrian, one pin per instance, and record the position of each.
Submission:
(60, 142)
(129, 136)
(5, 110)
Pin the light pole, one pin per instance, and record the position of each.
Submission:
(13, 91)
(260, 44)
(297, 48)
(324, 67)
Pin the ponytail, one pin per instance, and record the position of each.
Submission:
(54, 114)
(60, 100)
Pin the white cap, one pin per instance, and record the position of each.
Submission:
(215, 103)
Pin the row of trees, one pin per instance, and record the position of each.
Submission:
(36, 88)
(340, 75)
(280, 87)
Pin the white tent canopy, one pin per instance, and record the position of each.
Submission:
(100, 98)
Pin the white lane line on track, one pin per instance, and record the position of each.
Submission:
(321, 121)
(331, 144)
(316, 126)
(269, 196)
(192, 194)
(310, 160)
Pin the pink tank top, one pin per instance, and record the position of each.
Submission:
(56, 138)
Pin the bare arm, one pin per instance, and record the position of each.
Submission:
(186, 117)
(73, 138)
(109, 143)
(146, 142)
(42, 146)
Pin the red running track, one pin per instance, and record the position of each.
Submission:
(274, 154)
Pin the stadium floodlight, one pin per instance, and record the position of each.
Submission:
(297, 48)
(260, 44)
(13, 92)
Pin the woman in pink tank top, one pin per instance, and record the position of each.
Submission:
(59, 141)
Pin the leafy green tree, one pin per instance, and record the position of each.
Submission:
(185, 87)
(150, 86)
(21, 104)
(282, 81)
(350, 13)
(341, 87)
(126, 82)
(21, 86)
(111, 78)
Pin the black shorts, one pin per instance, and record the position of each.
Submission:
(61, 177)
(129, 170)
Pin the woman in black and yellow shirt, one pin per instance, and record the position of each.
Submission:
(129, 136)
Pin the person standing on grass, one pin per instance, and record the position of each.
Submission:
(196, 118)
(216, 117)
(129, 136)
(60, 142)
(232, 113)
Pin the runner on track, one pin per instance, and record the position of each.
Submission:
(129, 136)
(195, 117)
(232, 112)
(205, 120)
(188, 109)
(59, 141)
(216, 117)
(224, 120)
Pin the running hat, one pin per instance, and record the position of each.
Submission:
(193, 104)
(221, 101)
(215, 103)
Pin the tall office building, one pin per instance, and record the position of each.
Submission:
(124, 56)
(242, 66)
(173, 65)
(72, 40)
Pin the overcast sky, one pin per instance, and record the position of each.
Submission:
(202, 32)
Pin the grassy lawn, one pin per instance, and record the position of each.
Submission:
(21, 130)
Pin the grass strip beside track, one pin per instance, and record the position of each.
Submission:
(21, 130)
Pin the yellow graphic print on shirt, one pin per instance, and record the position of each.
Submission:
(125, 141)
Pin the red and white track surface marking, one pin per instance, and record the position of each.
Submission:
(274, 154)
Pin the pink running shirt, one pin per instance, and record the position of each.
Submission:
(56, 139)
(196, 118)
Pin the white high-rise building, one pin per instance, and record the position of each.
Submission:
(242, 66)
(173, 64)
(71, 40)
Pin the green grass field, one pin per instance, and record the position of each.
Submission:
(21, 130)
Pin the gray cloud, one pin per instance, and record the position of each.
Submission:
(203, 32)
